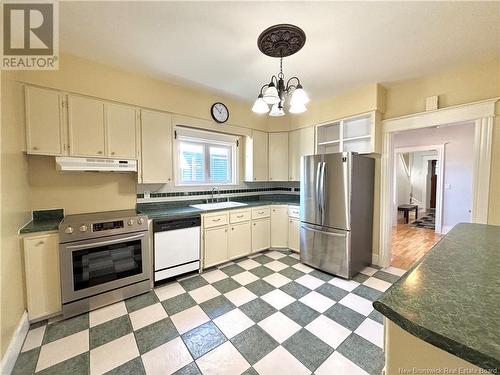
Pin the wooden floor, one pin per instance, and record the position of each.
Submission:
(409, 244)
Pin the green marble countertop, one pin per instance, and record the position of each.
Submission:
(165, 210)
(451, 298)
(43, 220)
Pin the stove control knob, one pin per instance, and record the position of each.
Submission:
(140, 221)
(130, 222)
(83, 228)
(68, 230)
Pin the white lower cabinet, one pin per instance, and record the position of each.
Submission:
(261, 234)
(239, 240)
(41, 263)
(294, 234)
(279, 226)
(215, 246)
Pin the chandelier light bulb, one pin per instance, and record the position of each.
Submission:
(276, 111)
(260, 106)
(299, 96)
(271, 95)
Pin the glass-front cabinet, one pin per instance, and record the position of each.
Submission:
(356, 134)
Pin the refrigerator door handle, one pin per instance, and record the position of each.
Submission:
(323, 208)
(318, 179)
(333, 234)
(322, 192)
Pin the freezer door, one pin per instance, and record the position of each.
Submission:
(335, 190)
(325, 249)
(310, 200)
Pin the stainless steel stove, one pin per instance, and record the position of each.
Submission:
(104, 258)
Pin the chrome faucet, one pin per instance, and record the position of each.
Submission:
(218, 194)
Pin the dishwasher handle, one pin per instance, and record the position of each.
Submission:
(164, 225)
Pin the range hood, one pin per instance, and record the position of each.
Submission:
(95, 164)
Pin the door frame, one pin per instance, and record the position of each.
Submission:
(440, 149)
(482, 113)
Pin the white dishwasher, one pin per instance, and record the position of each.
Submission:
(176, 246)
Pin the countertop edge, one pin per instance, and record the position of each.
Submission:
(438, 340)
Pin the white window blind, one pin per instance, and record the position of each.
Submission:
(205, 157)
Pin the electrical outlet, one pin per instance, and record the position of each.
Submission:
(147, 195)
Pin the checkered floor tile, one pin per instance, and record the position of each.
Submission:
(265, 314)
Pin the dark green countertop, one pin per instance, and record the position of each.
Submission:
(451, 298)
(166, 210)
(43, 220)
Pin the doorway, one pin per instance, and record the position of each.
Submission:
(417, 203)
(481, 115)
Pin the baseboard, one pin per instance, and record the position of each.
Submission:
(16, 343)
(375, 259)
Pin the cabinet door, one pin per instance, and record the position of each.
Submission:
(121, 131)
(45, 133)
(156, 135)
(278, 156)
(240, 240)
(215, 246)
(256, 163)
(301, 143)
(294, 234)
(86, 126)
(261, 234)
(279, 226)
(43, 289)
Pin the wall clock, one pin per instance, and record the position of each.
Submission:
(219, 112)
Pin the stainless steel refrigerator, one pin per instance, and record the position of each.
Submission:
(336, 200)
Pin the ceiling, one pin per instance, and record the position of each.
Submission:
(349, 44)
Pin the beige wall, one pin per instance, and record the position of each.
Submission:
(457, 86)
(14, 211)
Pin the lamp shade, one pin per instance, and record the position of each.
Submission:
(299, 97)
(271, 95)
(277, 111)
(297, 108)
(260, 106)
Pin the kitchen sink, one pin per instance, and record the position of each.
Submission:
(218, 205)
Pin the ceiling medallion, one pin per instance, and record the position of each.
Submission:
(281, 41)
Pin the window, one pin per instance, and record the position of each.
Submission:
(205, 157)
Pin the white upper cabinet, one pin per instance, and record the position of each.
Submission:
(356, 134)
(300, 143)
(278, 156)
(121, 122)
(256, 158)
(156, 147)
(86, 126)
(45, 128)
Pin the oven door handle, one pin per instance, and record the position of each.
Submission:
(104, 243)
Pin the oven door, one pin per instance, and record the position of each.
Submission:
(91, 267)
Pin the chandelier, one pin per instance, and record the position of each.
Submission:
(281, 41)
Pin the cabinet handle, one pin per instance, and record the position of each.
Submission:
(290, 221)
(40, 243)
(225, 230)
(216, 220)
(232, 228)
(169, 179)
(239, 216)
(99, 152)
(274, 210)
(112, 152)
(255, 178)
(261, 212)
(64, 147)
(35, 148)
(253, 224)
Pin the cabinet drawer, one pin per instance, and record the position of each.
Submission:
(260, 212)
(294, 212)
(239, 216)
(215, 220)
